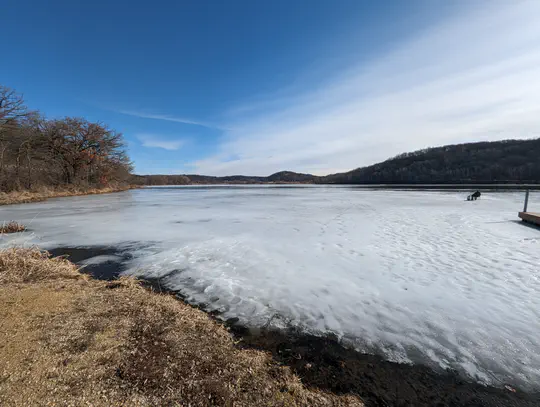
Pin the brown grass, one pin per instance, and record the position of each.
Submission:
(41, 194)
(18, 265)
(11, 227)
(66, 339)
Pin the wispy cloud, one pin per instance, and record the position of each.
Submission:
(165, 117)
(472, 77)
(153, 141)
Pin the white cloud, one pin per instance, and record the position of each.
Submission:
(150, 140)
(165, 117)
(473, 77)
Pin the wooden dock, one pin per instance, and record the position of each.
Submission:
(530, 217)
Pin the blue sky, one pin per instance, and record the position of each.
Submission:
(254, 87)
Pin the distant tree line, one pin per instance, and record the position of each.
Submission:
(160, 180)
(192, 179)
(283, 177)
(509, 161)
(71, 151)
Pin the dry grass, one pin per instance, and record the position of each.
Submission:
(41, 194)
(11, 227)
(18, 265)
(66, 339)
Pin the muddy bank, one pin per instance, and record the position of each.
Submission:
(324, 363)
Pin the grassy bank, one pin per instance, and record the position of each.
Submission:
(41, 194)
(66, 339)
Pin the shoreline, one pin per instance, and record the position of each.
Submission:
(419, 187)
(20, 197)
(325, 363)
(69, 339)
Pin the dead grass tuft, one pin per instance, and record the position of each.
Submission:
(78, 341)
(19, 265)
(12, 227)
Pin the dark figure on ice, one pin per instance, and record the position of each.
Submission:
(474, 196)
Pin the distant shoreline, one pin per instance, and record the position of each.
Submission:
(459, 187)
(25, 196)
(20, 197)
(482, 163)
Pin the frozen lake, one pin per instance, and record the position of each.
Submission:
(415, 275)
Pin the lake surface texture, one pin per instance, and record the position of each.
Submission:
(418, 276)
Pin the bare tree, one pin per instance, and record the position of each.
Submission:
(86, 152)
(12, 112)
(12, 108)
(35, 151)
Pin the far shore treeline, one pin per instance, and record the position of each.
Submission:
(497, 162)
(71, 152)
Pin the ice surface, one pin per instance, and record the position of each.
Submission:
(415, 275)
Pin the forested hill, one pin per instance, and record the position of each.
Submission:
(510, 161)
(283, 177)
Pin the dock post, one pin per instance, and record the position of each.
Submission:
(526, 201)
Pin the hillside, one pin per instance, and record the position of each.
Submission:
(509, 161)
(289, 176)
(283, 177)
